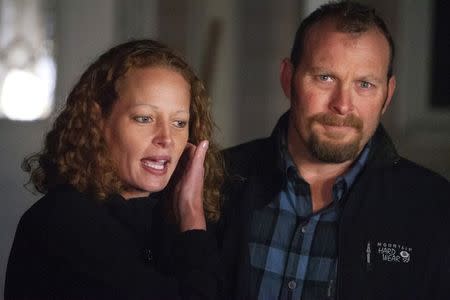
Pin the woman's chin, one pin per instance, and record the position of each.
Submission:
(143, 190)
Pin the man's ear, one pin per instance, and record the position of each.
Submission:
(390, 93)
(286, 73)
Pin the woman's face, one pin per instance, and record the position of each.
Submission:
(148, 128)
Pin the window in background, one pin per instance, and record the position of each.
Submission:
(27, 65)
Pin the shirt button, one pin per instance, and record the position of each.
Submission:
(304, 228)
(292, 284)
(148, 255)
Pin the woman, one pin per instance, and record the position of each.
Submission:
(114, 183)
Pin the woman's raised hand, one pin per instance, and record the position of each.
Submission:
(188, 193)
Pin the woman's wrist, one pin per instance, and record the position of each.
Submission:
(192, 221)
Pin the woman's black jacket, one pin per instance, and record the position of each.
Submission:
(70, 246)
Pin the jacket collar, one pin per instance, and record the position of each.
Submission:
(383, 152)
(268, 178)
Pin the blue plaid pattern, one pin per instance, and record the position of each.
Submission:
(293, 252)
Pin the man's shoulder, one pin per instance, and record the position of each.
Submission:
(242, 157)
(247, 148)
(411, 185)
(418, 174)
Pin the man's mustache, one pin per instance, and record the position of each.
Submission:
(334, 120)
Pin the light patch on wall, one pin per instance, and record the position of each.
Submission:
(25, 96)
(27, 66)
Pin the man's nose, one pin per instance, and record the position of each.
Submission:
(341, 101)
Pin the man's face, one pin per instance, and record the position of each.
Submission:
(338, 92)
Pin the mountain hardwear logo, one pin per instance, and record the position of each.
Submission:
(393, 252)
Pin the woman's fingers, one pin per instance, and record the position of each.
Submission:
(189, 151)
(190, 188)
(197, 161)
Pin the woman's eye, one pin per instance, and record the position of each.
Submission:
(143, 119)
(180, 124)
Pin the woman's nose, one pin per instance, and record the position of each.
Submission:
(162, 136)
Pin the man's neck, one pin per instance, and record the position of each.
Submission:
(321, 176)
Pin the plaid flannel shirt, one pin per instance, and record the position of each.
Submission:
(293, 251)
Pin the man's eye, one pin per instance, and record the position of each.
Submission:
(180, 124)
(143, 119)
(324, 77)
(365, 85)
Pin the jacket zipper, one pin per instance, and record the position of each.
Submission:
(368, 256)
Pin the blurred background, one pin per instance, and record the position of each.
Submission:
(235, 46)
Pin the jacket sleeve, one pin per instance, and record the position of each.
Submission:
(74, 249)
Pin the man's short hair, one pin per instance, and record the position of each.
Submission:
(351, 17)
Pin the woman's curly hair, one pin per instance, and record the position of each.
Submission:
(75, 150)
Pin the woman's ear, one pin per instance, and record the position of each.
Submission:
(96, 109)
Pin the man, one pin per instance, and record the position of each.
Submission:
(325, 208)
